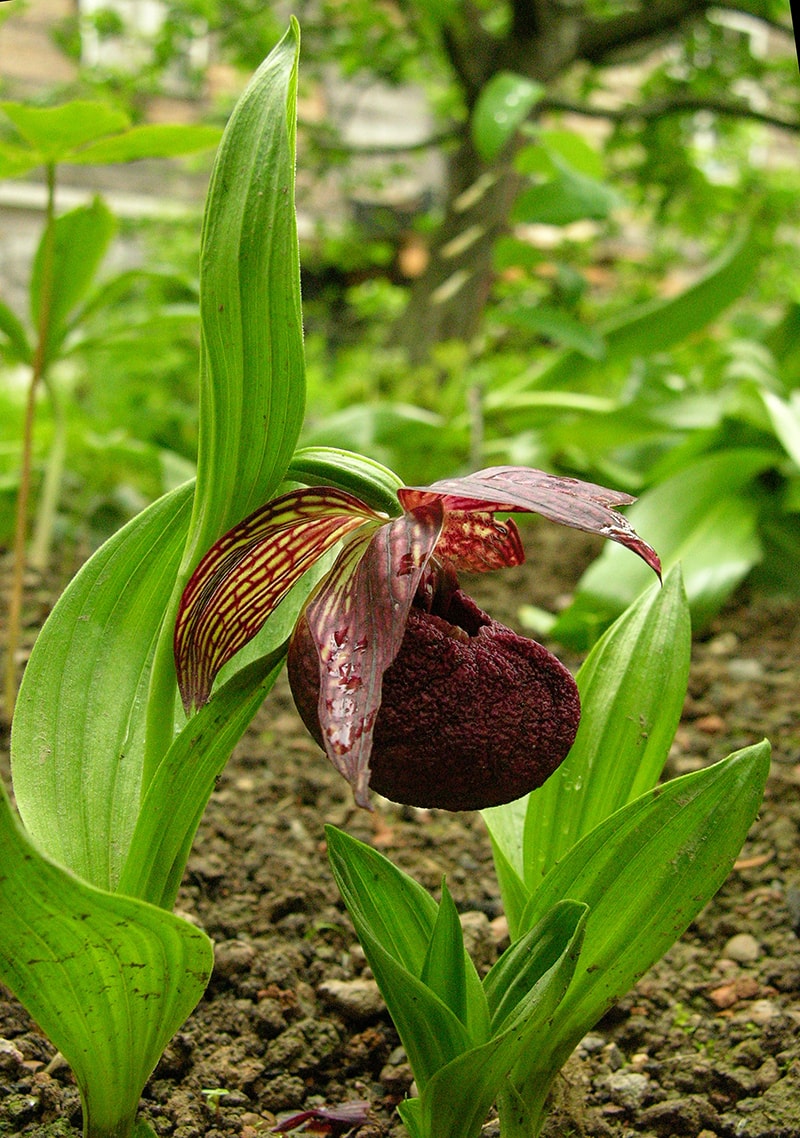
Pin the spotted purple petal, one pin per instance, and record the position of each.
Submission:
(351, 631)
(569, 501)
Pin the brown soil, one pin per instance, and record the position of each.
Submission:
(708, 1042)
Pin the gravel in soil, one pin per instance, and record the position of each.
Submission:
(707, 1043)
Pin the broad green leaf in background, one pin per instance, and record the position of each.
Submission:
(54, 133)
(80, 241)
(660, 324)
(84, 132)
(785, 418)
(644, 873)
(556, 324)
(632, 688)
(151, 140)
(503, 105)
(569, 197)
(108, 978)
(77, 737)
(700, 517)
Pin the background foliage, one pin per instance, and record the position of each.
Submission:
(619, 300)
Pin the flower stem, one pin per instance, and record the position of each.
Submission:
(23, 498)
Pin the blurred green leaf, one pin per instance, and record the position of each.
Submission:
(701, 517)
(16, 347)
(153, 140)
(503, 104)
(570, 197)
(557, 325)
(81, 240)
(54, 133)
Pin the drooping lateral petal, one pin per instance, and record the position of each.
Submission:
(246, 574)
(357, 621)
(568, 501)
(476, 542)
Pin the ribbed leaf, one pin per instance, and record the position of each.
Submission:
(77, 736)
(644, 873)
(632, 689)
(444, 970)
(252, 367)
(455, 1102)
(395, 920)
(178, 794)
(108, 978)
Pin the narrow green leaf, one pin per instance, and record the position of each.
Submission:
(632, 688)
(374, 483)
(698, 517)
(12, 329)
(81, 240)
(444, 969)
(503, 105)
(644, 873)
(152, 140)
(455, 1102)
(77, 735)
(109, 979)
(178, 794)
(558, 325)
(252, 366)
(785, 418)
(395, 919)
(55, 132)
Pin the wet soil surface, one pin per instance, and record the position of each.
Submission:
(707, 1043)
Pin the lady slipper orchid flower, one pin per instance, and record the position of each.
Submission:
(409, 688)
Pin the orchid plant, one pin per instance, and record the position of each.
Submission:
(353, 576)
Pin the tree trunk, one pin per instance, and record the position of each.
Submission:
(448, 299)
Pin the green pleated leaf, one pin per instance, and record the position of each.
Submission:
(444, 970)
(252, 366)
(660, 324)
(395, 919)
(699, 517)
(632, 689)
(645, 873)
(179, 792)
(81, 240)
(78, 731)
(503, 105)
(455, 1102)
(108, 978)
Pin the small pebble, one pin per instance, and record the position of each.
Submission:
(592, 1042)
(232, 956)
(628, 1088)
(358, 1000)
(743, 948)
(762, 1012)
(749, 670)
(613, 1056)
